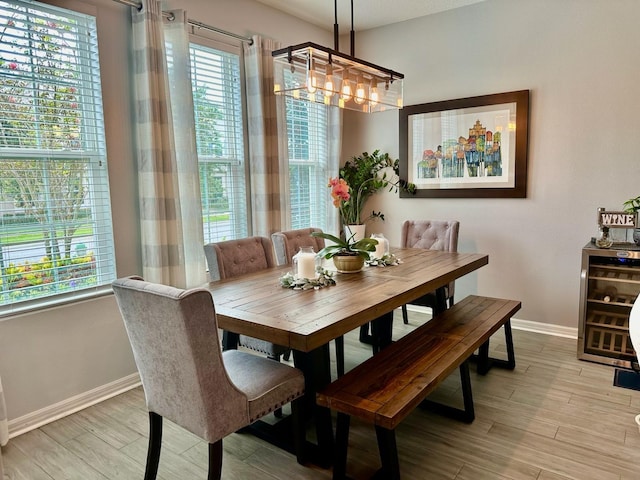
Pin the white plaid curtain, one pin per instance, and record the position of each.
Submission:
(263, 107)
(170, 212)
(268, 155)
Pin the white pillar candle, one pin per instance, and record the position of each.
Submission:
(306, 265)
(380, 248)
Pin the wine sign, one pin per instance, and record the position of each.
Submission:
(616, 219)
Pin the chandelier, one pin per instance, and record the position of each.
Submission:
(314, 73)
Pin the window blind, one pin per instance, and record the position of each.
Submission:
(216, 81)
(308, 171)
(56, 235)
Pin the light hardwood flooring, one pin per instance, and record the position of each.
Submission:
(553, 418)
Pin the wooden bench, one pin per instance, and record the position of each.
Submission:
(387, 387)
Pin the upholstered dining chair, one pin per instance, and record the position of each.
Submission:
(231, 258)
(432, 235)
(285, 245)
(186, 377)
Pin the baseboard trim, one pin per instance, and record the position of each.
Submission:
(518, 324)
(74, 404)
(54, 412)
(545, 328)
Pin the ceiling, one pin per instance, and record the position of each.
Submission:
(367, 14)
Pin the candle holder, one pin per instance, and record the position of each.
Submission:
(305, 263)
(382, 248)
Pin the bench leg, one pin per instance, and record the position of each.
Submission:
(339, 344)
(341, 445)
(388, 454)
(467, 395)
(467, 414)
(485, 362)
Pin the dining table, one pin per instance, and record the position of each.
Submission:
(257, 305)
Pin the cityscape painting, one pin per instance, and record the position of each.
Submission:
(469, 147)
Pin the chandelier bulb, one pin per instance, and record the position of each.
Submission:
(361, 91)
(329, 85)
(345, 91)
(374, 95)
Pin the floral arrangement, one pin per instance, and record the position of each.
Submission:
(324, 279)
(361, 248)
(388, 260)
(361, 177)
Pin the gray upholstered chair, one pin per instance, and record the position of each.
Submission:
(432, 235)
(285, 245)
(235, 257)
(188, 379)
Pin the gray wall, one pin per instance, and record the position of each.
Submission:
(579, 60)
(576, 56)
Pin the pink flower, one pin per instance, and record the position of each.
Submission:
(13, 66)
(339, 191)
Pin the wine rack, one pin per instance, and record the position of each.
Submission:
(610, 284)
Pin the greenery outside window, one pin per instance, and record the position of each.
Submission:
(217, 98)
(308, 170)
(55, 216)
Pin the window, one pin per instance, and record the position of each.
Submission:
(215, 76)
(55, 217)
(308, 170)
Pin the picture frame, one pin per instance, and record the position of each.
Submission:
(473, 147)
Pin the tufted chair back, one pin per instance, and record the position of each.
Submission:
(431, 235)
(235, 257)
(287, 244)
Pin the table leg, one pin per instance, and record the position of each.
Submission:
(441, 301)
(229, 340)
(381, 331)
(316, 367)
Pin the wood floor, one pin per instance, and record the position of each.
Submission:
(553, 418)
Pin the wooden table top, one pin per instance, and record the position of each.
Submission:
(256, 305)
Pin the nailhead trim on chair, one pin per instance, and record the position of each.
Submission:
(299, 393)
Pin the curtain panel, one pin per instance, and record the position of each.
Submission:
(171, 222)
(265, 159)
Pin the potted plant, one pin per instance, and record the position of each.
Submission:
(348, 255)
(361, 177)
(633, 206)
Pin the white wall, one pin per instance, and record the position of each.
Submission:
(576, 56)
(579, 60)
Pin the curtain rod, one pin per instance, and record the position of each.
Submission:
(194, 23)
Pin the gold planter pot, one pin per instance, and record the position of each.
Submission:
(348, 263)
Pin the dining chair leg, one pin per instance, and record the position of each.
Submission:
(155, 443)
(215, 460)
(405, 315)
(299, 424)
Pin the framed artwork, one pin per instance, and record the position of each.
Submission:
(469, 147)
